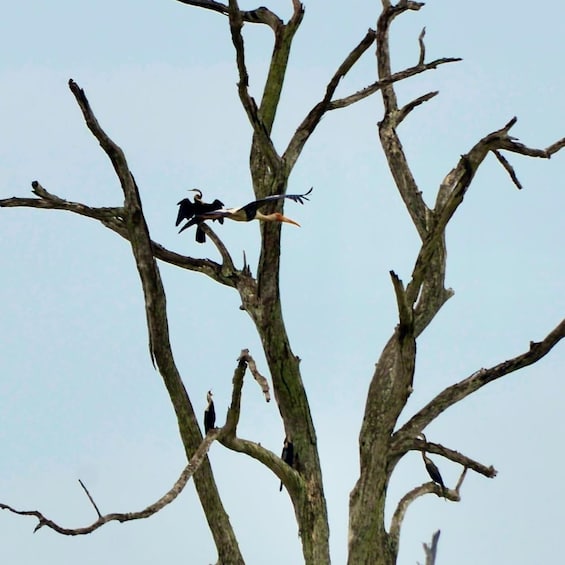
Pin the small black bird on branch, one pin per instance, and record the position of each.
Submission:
(209, 414)
(287, 455)
(188, 210)
(248, 212)
(432, 469)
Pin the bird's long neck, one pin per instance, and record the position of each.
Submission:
(274, 217)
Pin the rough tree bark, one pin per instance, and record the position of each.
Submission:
(381, 443)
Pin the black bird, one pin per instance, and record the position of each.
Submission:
(209, 414)
(287, 455)
(432, 469)
(249, 212)
(188, 210)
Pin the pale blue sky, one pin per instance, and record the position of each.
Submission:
(78, 395)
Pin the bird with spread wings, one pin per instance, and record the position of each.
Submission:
(197, 213)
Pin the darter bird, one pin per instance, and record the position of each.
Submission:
(209, 414)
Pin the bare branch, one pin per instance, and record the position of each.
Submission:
(48, 200)
(395, 77)
(466, 462)
(90, 498)
(261, 380)
(427, 488)
(406, 109)
(510, 144)
(249, 104)
(193, 465)
(313, 118)
(504, 162)
(450, 195)
(114, 219)
(159, 342)
(422, 57)
(461, 479)
(431, 550)
(392, 147)
(227, 266)
(261, 15)
(453, 394)
(405, 313)
(232, 418)
(228, 434)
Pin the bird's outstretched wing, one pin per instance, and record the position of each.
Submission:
(186, 210)
(294, 197)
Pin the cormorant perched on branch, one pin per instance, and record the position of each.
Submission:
(209, 414)
(248, 212)
(432, 469)
(188, 209)
(287, 455)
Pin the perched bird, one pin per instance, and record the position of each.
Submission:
(432, 469)
(287, 455)
(188, 210)
(209, 414)
(248, 212)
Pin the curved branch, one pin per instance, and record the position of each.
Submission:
(228, 435)
(260, 15)
(227, 265)
(193, 465)
(407, 108)
(114, 219)
(394, 77)
(159, 342)
(453, 394)
(427, 488)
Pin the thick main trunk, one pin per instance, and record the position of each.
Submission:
(309, 503)
(390, 387)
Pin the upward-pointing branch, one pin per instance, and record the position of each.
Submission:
(259, 129)
(159, 342)
(453, 394)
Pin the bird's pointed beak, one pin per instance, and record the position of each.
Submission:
(289, 221)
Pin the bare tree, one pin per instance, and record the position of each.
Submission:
(382, 442)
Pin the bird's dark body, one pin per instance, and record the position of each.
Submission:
(188, 210)
(431, 467)
(209, 415)
(433, 472)
(287, 455)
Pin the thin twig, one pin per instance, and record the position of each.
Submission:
(90, 498)
(422, 57)
(407, 108)
(508, 167)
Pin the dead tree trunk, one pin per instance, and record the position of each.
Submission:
(382, 443)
